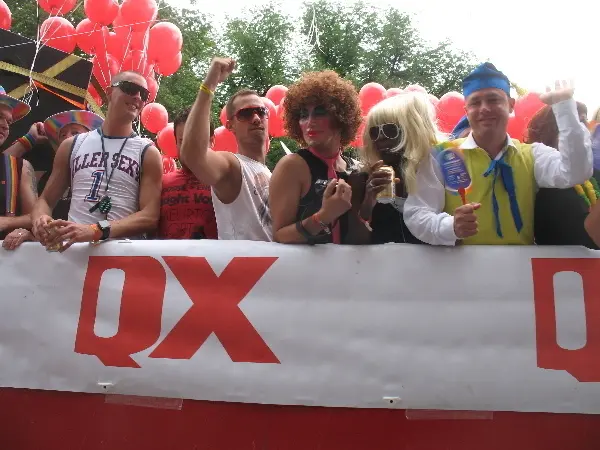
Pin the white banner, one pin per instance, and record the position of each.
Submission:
(467, 328)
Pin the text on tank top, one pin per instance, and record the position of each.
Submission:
(312, 201)
(248, 216)
(91, 166)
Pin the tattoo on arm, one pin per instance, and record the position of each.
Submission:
(31, 173)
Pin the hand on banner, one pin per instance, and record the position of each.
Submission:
(40, 231)
(220, 69)
(465, 220)
(16, 237)
(69, 233)
(562, 91)
(337, 199)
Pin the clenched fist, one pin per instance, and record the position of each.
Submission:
(220, 69)
(465, 220)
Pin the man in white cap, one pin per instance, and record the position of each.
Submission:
(17, 179)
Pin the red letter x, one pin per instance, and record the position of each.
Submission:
(215, 309)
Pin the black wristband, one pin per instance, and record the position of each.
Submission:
(310, 239)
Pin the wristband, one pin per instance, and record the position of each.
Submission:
(97, 233)
(315, 217)
(27, 141)
(310, 239)
(206, 90)
(365, 222)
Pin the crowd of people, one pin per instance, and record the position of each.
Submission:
(411, 184)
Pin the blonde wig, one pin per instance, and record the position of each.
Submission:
(415, 115)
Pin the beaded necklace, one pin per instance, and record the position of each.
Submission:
(589, 192)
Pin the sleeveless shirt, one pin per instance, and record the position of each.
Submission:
(312, 201)
(248, 216)
(91, 167)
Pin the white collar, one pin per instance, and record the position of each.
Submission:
(470, 144)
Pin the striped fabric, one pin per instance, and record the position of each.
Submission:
(10, 176)
(53, 124)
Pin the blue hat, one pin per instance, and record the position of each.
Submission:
(19, 109)
(485, 76)
(461, 126)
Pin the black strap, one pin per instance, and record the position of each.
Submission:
(310, 239)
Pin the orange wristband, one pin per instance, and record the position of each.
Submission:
(97, 232)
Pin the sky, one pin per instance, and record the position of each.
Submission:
(533, 42)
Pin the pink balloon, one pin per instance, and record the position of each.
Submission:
(273, 118)
(136, 60)
(152, 87)
(5, 16)
(168, 164)
(139, 14)
(450, 110)
(154, 117)
(225, 140)
(527, 106)
(166, 141)
(105, 67)
(392, 92)
(164, 39)
(91, 37)
(276, 93)
(57, 7)
(92, 90)
(168, 64)
(517, 126)
(370, 94)
(415, 88)
(434, 100)
(276, 124)
(102, 12)
(223, 116)
(58, 32)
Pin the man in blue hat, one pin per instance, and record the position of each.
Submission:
(17, 179)
(504, 174)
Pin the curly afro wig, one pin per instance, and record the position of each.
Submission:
(325, 88)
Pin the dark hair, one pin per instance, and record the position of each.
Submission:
(325, 88)
(182, 118)
(241, 93)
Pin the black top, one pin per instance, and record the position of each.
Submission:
(559, 217)
(5, 161)
(61, 211)
(311, 202)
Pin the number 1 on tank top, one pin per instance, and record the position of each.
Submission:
(97, 175)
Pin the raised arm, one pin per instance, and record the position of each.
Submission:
(22, 145)
(573, 163)
(58, 183)
(209, 166)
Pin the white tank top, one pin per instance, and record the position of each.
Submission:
(248, 216)
(90, 169)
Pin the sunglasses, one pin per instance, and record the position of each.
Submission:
(317, 112)
(132, 89)
(246, 114)
(388, 130)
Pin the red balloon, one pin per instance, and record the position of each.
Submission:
(139, 14)
(225, 140)
(527, 106)
(5, 16)
(276, 123)
(392, 92)
(450, 110)
(370, 94)
(102, 12)
(358, 139)
(136, 61)
(415, 88)
(134, 40)
(114, 46)
(154, 117)
(166, 141)
(516, 127)
(434, 100)
(168, 164)
(276, 93)
(92, 90)
(91, 37)
(165, 39)
(223, 116)
(58, 32)
(152, 87)
(105, 67)
(57, 7)
(168, 65)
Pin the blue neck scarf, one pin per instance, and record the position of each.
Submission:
(502, 168)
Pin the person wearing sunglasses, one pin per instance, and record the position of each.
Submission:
(115, 176)
(400, 132)
(239, 181)
(497, 206)
(311, 190)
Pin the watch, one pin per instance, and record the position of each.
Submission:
(104, 226)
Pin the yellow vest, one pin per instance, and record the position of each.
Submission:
(477, 161)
